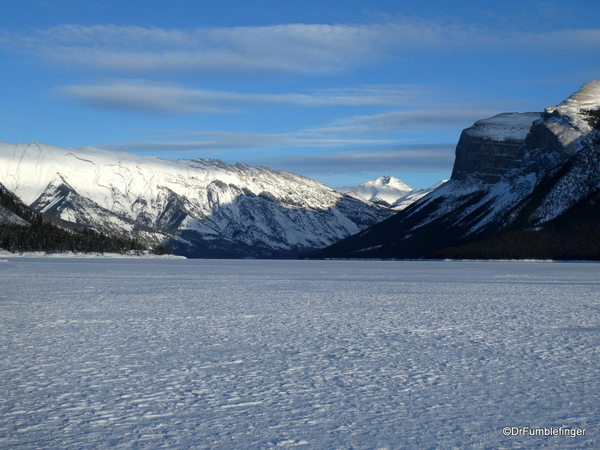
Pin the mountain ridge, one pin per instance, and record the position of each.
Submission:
(199, 208)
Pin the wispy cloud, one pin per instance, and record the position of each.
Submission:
(378, 129)
(299, 48)
(217, 141)
(295, 47)
(169, 99)
(402, 121)
(393, 158)
(423, 107)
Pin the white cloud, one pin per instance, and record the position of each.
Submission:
(299, 48)
(424, 108)
(172, 99)
(218, 141)
(148, 98)
(295, 47)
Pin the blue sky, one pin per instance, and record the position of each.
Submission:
(338, 91)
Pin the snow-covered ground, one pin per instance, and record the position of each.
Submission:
(131, 254)
(186, 354)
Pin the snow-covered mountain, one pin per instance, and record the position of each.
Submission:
(384, 190)
(513, 172)
(388, 191)
(200, 207)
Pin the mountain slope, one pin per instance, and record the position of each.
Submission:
(200, 208)
(11, 209)
(513, 172)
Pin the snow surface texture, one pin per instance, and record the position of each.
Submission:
(116, 192)
(281, 354)
(388, 191)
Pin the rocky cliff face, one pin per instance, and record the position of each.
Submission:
(491, 146)
(512, 172)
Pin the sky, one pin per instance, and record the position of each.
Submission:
(339, 91)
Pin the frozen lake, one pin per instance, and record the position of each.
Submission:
(127, 353)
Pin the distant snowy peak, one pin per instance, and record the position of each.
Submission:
(389, 181)
(384, 190)
(387, 191)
